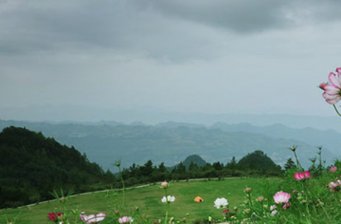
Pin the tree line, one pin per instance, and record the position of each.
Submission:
(253, 164)
(32, 166)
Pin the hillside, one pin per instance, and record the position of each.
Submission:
(32, 166)
(169, 142)
(257, 160)
(194, 159)
(147, 199)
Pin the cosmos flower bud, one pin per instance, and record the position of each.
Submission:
(117, 163)
(293, 148)
(260, 199)
(164, 184)
(248, 190)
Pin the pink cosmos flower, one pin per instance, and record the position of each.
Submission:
(335, 186)
(332, 89)
(333, 169)
(281, 197)
(93, 218)
(125, 219)
(302, 175)
(307, 174)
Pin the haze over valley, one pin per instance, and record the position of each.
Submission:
(172, 142)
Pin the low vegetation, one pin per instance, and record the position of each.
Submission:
(144, 204)
(34, 166)
(297, 195)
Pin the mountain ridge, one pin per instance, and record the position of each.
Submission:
(107, 143)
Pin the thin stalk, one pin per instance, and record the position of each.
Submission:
(250, 200)
(297, 161)
(325, 212)
(166, 215)
(123, 187)
(336, 110)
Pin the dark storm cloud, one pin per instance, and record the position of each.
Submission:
(50, 24)
(119, 27)
(157, 28)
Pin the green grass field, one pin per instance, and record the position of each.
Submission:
(147, 200)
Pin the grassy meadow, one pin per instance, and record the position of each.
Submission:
(145, 202)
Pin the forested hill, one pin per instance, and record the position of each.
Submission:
(32, 166)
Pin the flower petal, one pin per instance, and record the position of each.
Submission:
(334, 100)
(334, 79)
(329, 96)
(332, 90)
(338, 70)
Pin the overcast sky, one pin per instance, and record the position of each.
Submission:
(213, 56)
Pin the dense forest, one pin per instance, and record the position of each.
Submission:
(33, 166)
(256, 163)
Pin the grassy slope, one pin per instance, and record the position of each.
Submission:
(148, 200)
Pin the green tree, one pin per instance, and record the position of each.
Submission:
(289, 164)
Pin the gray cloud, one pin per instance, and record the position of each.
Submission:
(160, 29)
(245, 16)
(207, 56)
(238, 15)
(115, 26)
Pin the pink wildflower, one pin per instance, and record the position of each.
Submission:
(306, 174)
(281, 197)
(125, 219)
(333, 169)
(93, 218)
(302, 175)
(332, 89)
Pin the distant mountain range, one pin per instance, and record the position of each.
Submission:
(171, 142)
(150, 115)
(329, 139)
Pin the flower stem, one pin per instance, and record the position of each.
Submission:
(336, 110)
(123, 187)
(297, 161)
(167, 206)
(166, 217)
